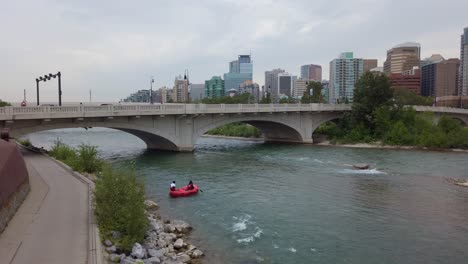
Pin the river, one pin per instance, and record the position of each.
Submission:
(267, 203)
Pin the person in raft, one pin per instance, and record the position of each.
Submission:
(190, 185)
(173, 186)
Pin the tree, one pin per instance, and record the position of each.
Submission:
(404, 96)
(266, 99)
(316, 97)
(3, 103)
(287, 100)
(371, 91)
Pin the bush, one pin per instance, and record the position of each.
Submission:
(25, 142)
(3, 103)
(88, 160)
(64, 153)
(236, 130)
(119, 201)
(82, 159)
(398, 135)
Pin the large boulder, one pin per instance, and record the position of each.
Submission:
(184, 258)
(159, 253)
(127, 260)
(152, 260)
(151, 205)
(179, 244)
(111, 249)
(162, 243)
(138, 251)
(361, 166)
(181, 226)
(197, 253)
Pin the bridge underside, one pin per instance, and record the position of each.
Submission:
(152, 141)
(277, 132)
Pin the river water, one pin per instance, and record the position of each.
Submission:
(264, 203)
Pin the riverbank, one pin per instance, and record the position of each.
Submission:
(379, 145)
(236, 138)
(327, 143)
(163, 241)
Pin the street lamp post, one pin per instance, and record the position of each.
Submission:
(151, 90)
(47, 78)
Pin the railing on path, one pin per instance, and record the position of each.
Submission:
(110, 110)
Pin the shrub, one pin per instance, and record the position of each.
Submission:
(25, 142)
(88, 160)
(119, 201)
(236, 130)
(64, 153)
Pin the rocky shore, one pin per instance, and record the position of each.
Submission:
(165, 243)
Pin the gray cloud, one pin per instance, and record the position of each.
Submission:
(113, 47)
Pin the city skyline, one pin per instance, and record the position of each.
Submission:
(113, 52)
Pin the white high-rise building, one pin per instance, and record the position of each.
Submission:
(345, 71)
(271, 83)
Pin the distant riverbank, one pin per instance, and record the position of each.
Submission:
(378, 145)
(327, 143)
(236, 138)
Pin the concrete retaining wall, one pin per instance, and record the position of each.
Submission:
(14, 181)
(10, 207)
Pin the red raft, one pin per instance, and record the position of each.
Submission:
(182, 192)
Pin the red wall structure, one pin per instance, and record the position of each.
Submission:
(14, 181)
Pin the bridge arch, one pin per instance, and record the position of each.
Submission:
(153, 139)
(273, 128)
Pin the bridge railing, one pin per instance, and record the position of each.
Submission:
(38, 112)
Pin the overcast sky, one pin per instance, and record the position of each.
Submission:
(113, 47)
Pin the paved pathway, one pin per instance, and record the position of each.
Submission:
(51, 226)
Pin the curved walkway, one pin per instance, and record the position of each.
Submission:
(51, 226)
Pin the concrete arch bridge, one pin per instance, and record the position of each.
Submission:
(177, 127)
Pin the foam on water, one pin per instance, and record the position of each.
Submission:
(241, 223)
(371, 171)
(251, 238)
(293, 250)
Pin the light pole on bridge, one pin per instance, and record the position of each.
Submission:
(46, 78)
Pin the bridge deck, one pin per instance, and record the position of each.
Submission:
(83, 111)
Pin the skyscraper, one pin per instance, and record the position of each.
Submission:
(252, 88)
(285, 84)
(311, 72)
(463, 74)
(300, 86)
(344, 73)
(240, 71)
(196, 91)
(402, 57)
(441, 78)
(214, 87)
(180, 90)
(271, 83)
(368, 64)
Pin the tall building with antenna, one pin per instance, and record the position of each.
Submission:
(180, 90)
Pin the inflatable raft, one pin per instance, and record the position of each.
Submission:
(182, 192)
